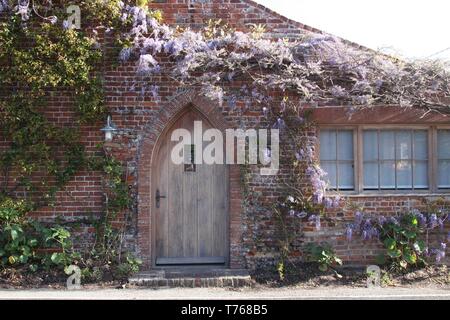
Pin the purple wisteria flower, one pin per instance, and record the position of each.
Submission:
(152, 45)
(433, 221)
(154, 90)
(358, 219)
(125, 54)
(328, 202)
(232, 102)
(422, 218)
(338, 92)
(4, 5)
(316, 175)
(147, 64)
(301, 214)
(441, 224)
(279, 124)
(65, 24)
(440, 254)
(349, 232)
(316, 220)
(305, 154)
(393, 220)
(367, 232)
(53, 19)
(23, 9)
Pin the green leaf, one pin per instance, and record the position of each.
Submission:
(12, 259)
(323, 267)
(33, 242)
(403, 264)
(14, 234)
(23, 258)
(56, 258)
(394, 253)
(410, 257)
(410, 234)
(419, 246)
(33, 267)
(390, 243)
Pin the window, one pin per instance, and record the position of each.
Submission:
(377, 159)
(443, 155)
(395, 159)
(336, 158)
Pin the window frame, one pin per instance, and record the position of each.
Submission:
(436, 159)
(358, 129)
(355, 159)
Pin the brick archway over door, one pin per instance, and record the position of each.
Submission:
(149, 146)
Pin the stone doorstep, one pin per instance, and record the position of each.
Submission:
(192, 278)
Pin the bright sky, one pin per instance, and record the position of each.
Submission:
(412, 28)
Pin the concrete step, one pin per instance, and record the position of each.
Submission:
(192, 278)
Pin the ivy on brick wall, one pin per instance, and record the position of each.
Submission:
(41, 58)
(36, 62)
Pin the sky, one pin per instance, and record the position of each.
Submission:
(410, 28)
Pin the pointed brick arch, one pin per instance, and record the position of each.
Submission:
(149, 146)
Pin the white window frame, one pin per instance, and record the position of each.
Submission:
(358, 158)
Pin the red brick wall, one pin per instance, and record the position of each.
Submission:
(253, 234)
(238, 14)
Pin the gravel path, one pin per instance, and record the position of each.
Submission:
(225, 294)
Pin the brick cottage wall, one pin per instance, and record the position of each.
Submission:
(141, 119)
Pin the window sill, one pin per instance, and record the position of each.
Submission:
(383, 195)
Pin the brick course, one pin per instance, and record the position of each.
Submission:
(141, 120)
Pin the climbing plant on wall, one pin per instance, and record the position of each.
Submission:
(43, 57)
(41, 54)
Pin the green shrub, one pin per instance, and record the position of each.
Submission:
(125, 269)
(323, 254)
(26, 242)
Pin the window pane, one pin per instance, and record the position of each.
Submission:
(403, 147)
(404, 175)
(421, 174)
(345, 145)
(371, 175)
(346, 179)
(370, 145)
(387, 147)
(387, 175)
(327, 144)
(420, 145)
(330, 169)
(444, 144)
(444, 174)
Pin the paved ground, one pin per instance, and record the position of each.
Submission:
(218, 293)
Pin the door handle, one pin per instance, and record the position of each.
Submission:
(158, 197)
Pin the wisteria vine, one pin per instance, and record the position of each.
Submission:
(316, 69)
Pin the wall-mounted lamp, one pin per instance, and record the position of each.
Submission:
(109, 129)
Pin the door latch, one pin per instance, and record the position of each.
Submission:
(158, 198)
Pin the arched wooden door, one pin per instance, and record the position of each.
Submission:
(190, 205)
